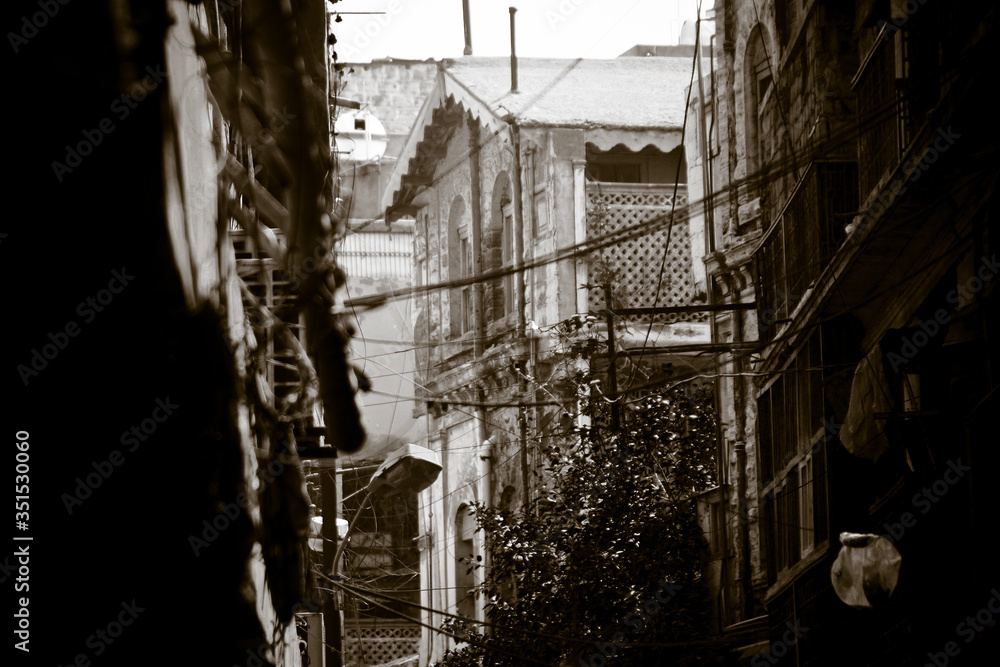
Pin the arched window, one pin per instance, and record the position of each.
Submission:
(500, 247)
(460, 266)
(508, 257)
(465, 529)
(756, 81)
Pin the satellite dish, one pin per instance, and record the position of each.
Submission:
(316, 532)
(359, 136)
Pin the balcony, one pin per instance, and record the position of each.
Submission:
(367, 642)
(632, 265)
(800, 243)
(896, 85)
(377, 254)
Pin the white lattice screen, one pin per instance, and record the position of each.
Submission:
(368, 646)
(633, 265)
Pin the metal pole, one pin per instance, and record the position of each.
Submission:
(612, 358)
(331, 610)
(513, 54)
(468, 28)
(523, 426)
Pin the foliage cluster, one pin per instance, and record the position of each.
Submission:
(608, 559)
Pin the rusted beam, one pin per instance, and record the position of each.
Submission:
(268, 208)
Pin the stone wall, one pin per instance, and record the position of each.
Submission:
(395, 90)
(808, 105)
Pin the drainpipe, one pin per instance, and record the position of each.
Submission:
(478, 300)
(739, 411)
(522, 323)
(513, 53)
(519, 254)
(468, 28)
(704, 146)
(739, 446)
(486, 456)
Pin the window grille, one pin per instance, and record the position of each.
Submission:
(792, 440)
(376, 645)
(634, 264)
(798, 246)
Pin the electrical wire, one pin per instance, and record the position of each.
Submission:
(842, 138)
(442, 631)
(673, 202)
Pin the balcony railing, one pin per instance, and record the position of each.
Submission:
(896, 85)
(377, 254)
(366, 643)
(632, 265)
(805, 236)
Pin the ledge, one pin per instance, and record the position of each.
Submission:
(787, 577)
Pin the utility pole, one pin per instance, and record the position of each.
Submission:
(331, 609)
(525, 479)
(312, 447)
(609, 314)
(612, 358)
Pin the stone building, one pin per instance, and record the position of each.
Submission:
(378, 259)
(846, 157)
(506, 174)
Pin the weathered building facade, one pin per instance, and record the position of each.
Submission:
(851, 194)
(378, 259)
(506, 181)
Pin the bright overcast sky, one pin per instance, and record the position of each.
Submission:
(421, 29)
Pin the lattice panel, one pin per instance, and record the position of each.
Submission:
(633, 265)
(377, 646)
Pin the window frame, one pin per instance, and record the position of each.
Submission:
(507, 256)
(792, 472)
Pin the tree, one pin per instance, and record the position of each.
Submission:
(606, 563)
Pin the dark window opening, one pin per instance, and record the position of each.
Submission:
(649, 165)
